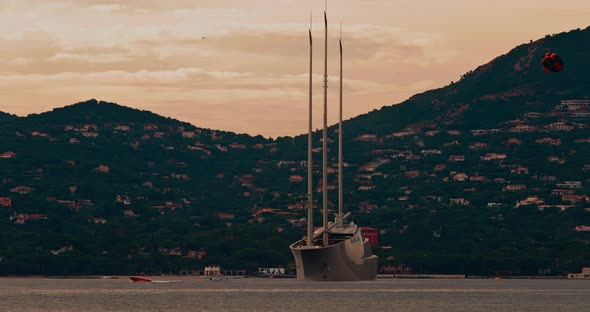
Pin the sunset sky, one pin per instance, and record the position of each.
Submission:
(241, 65)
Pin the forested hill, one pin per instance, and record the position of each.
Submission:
(489, 175)
(5, 118)
(498, 91)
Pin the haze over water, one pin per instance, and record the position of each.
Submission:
(289, 295)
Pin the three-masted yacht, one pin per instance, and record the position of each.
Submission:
(337, 251)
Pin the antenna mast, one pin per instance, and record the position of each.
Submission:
(309, 152)
(340, 173)
(325, 136)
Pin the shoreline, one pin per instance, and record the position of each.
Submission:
(379, 277)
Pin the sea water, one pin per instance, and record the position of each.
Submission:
(89, 295)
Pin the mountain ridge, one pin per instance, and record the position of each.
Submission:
(485, 176)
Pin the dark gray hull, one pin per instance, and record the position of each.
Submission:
(349, 260)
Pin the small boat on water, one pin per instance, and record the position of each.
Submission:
(136, 279)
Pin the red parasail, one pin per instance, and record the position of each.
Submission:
(552, 62)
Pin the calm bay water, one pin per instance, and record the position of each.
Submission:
(89, 295)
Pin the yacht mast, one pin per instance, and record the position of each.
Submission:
(309, 153)
(325, 137)
(340, 173)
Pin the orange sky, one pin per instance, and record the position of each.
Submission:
(249, 73)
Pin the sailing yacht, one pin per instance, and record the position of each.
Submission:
(337, 251)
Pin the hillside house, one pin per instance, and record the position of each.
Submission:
(189, 134)
(268, 210)
(180, 176)
(513, 141)
(226, 216)
(297, 206)
(570, 184)
(556, 159)
(493, 156)
(245, 180)
(522, 128)
(452, 143)
(366, 207)
(21, 189)
(5, 202)
(580, 115)
(39, 134)
(460, 177)
(555, 142)
(198, 148)
(575, 198)
(520, 170)
(103, 169)
(572, 105)
(129, 213)
(457, 158)
(197, 255)
(170, 251)
(480, 132)
(531, 200)
(561, 192)
(440, 167)
(123, 199)
(62, 250)
(431, 152)
(122, 128)
(373, 165)
(22, 218)
(478, 146)
(84, 203)
(560, 207)
(401, 134)
(514, 187)
(70, 204)
(99, 220)
(237, 146)
(366, 137)
(295, 179)
(88, 134)
(559, 126)
(150, 127)
(7, 155)
(460, 201)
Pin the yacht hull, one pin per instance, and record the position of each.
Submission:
(349, 260)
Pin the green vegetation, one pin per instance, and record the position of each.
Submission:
(112, 190)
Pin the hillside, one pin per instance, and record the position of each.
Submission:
(5, 118)
(500, 90)
(488, 175)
